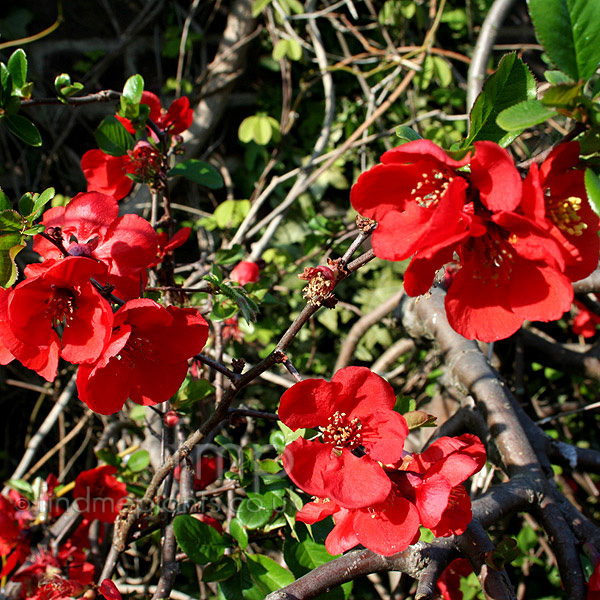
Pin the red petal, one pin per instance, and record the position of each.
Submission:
(349, 481)
(494, 174)
(342, 537)
(389, 527)
(308, 403)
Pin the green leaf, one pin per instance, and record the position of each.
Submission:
(289, 48)
(7, 84)
(562, 95)
(24, 129)
(231, 213)
(510, 84)
(219, 571)
(23, 487)
(109, 457)
(198, 171)
(524, 114)
(40, 200)
(305, 554)
(557, 77)
(259, 129)
(133, 88)
(112, 138)
(256, 511)
(258, 6)
(442, 70)
(592, 187)
(419, 418)
(17, 67)
(26, 204)
(199, 541)
(229, 256)
(407, 134)
(238, 531)
(269, 575)
(5, 203)
(568, 30)
(138, 461)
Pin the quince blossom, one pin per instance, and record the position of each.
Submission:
(145, 358)
(359, 430)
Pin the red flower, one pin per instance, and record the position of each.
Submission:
(417, 195)
(110, 174)
(98, 493)
(358, 430)
(385, 528)
(14, 534)
(448, 585)
(584, 322)
(560, 200)
(106, 174)
(146, 357)
(432, 480)
(173, 121)
(245, 272)
(166, 245)
(93, 228)
(510, 274)
(61, 296)
(109, 590)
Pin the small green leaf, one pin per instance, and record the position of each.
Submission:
(287, 47)
(229, 256)
(260, 129)
(5, 203)
(231, 213)
(24, 129)
(592, 187)
(26, 204)
(407, 134)
(138, 461)
(6, 84)
(258, 6)
(199, 172)
(112, 138)
(256, 511)
(419, 418)
(511, 83)
(557, 77)
(23, 487)
(269, 575)
(17, 67)
(442, 70)
(524, 114)
(109, 457)
(562, 95)
(40, 200)
(568, 30)
(238, 531)
(133, 88)
(199, 541)
(220, 571)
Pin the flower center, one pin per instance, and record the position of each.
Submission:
(430, 188)
(342, 432)
(563, 213)
(136, 351)
(61, 306)
(494, 258)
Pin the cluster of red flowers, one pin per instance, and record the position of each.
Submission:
(64, 573)
(357, 469)
(115, 175)
(518, 244)
(141, 351)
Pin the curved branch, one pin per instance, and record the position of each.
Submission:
(483, 48)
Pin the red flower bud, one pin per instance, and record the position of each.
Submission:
(171, 418)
